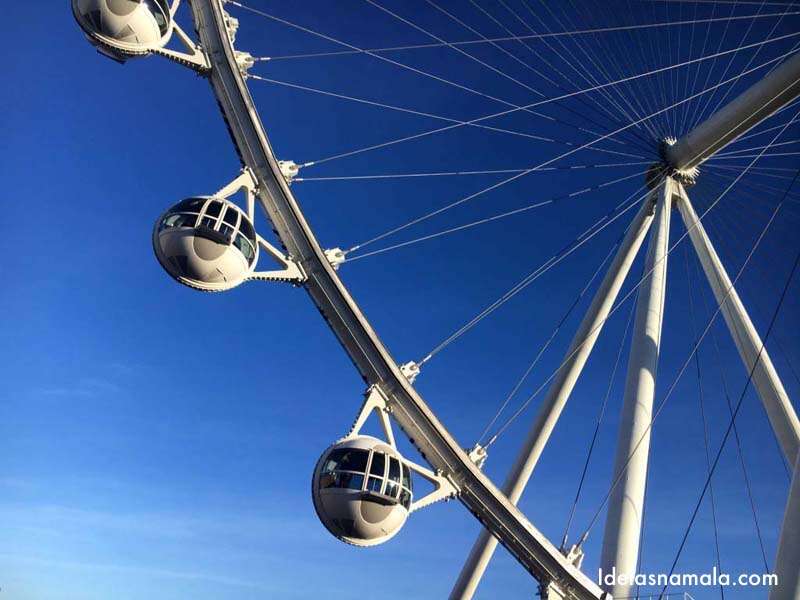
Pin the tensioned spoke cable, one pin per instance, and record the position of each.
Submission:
(602, 46)
(492, 218)
(760, 173)
(685, 364)
(752, 184)
(546, 344)
(757, 133)
(697, 70)
(758, 169)
(704, 420)
(531, 68)
(551, 262)
(598, 423)
(728, 2)
(510, 38)
(539, 58)
(554, 99)
(741, 234)
(739, 151)
(732, 421)
(392, 107)
(471, 57)
(570, 60)
(468, 172)
(548, 162)
(428, 115)
(749, 62)
(627, 57)
(709, 99)
(695, 116)
(770, 155)
(402, 65)
(736, 437)
(611, 312)
(600, 68)
(686, 88)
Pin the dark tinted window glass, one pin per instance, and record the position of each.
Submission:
(328, 480)
(394, 469)
(247, 229)
(354, 460)
(405, 498)
(244, 246)
(406, 477)
(378, 464)
(374, 484)
(159, 11)
(190, 205)
(350, 481)
(231, 216)
(333, 459)
(226, 230)
(178, 221)
(214, 209)
(208, 222)
(392, 489)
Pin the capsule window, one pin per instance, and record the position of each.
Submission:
(247, 230)
(244, 247)
(394, 469)
(190, 205)
(350, 481)
(405, 498)
(177, 220)
(391, 489)
(378, 465)
(214, 208)
(347, 459)
(231, 216)
(406, 477)
(160, 11)
(334, 459)
(374, 484)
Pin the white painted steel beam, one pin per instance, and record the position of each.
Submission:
(559, 392)
(738, 116)
(780, 411)
(624, 520)
(787, 563)
(529, 546)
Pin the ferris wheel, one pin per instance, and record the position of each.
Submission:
(363, 485)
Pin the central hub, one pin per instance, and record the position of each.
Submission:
(687, 177)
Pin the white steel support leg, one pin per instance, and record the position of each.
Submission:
(559, 392)
(776, 402)
(624, 520)
(787, 563)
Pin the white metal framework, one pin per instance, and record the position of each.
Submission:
(456, 472)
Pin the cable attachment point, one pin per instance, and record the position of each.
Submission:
(410, 370)
(231, 24)
(244, 60)
(478, 455)
(688, 176)
(336, 256)
(289, 168)
(574, 555)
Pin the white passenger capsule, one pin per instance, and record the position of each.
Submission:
(206, 243)
(122, 29)
(362, 490)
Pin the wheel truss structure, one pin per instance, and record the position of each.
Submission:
(456, 472)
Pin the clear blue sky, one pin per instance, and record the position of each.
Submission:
(158, 443)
